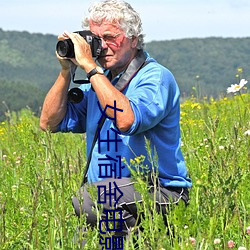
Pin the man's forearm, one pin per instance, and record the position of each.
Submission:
(55, 103)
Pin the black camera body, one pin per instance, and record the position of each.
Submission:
(65, 48)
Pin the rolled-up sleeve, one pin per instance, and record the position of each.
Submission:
(152, 99)
(75, 117)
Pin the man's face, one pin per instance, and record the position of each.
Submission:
(118, 50)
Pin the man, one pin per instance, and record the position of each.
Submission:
(140, 99)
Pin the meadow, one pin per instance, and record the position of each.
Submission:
(40, 172)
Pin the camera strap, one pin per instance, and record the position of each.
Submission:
(136, 64)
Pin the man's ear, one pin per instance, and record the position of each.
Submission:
(134, 42)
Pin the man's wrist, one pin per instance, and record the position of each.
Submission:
(65, 73)
(97, 70)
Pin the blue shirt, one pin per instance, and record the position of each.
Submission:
(154, 97)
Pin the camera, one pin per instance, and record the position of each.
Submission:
(65, 48)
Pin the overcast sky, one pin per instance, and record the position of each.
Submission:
(162, 19)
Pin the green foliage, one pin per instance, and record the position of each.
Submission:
(208, 62)
(28, 58)
(36, 184)
(40, 172)
(28, 68)
(14, 95)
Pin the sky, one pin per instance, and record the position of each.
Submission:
(162, 19)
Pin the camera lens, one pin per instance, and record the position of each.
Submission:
(75, 95)
(65, 48)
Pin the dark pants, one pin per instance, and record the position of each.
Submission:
(165, 196)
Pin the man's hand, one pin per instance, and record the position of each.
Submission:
(83, 54)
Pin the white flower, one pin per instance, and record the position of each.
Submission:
(192, 240)
(248, 230)
(246, 133)
(242, 248)
(237, 87)
(217, 241)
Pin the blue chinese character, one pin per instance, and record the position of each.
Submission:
(111, 222)
(108, 140)
(103, 191)
(116, 242)
(106, 170)
(104, 112)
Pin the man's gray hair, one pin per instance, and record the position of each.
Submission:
(120, 13)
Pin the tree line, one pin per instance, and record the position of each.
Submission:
(202, 67)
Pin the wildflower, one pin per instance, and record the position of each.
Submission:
(242, 248)
(192, 240)
(132, 162)
(237, 87)
(221, 147)
(195, 106)
(248, 230)
(247, 133)
(216, 241)
(198, 182)
(230, 244)
(240, 70)
(137, 159)
(45, 216)
(14, 188)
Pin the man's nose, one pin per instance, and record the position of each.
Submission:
(104, 44)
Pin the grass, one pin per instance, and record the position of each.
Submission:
(40, 172)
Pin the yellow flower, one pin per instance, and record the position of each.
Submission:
(195, 105)
(240, 70)
(137, 159)
(132, 162)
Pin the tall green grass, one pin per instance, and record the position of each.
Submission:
(40, 172)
